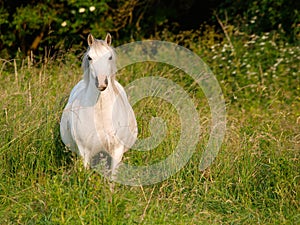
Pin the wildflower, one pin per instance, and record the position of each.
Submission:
(81, 10)
(63, 24)
(272, 43)
(253, 19)
(278, 61)
(92, 8)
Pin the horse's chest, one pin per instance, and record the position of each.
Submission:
(103, 126)
(115, 123)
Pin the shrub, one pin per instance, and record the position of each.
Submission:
(45, 25)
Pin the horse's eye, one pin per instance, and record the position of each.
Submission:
(89, 58)
(110, 58)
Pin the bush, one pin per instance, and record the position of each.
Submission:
(45, 25)
(264, 16)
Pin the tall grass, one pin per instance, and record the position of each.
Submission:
(254, 179)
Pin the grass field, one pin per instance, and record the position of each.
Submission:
(255, 178)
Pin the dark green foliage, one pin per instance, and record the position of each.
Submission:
(44, 27)
(264, 16)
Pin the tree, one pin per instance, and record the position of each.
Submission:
(33, 25)
(43, 26)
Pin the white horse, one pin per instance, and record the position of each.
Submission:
(98, 119)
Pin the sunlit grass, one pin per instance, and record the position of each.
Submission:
(254, 179)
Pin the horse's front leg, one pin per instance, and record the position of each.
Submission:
(84, 152)
(117, 155)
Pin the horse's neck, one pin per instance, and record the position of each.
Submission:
(91, 94)
(108, 96)
(94, 97)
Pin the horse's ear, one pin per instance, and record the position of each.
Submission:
(108, 39)
(90, 39)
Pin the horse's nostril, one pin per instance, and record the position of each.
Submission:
(106, 81)
(102, 87)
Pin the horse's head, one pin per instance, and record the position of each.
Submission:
(100, 59)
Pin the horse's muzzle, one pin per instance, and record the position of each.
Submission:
(103, 86)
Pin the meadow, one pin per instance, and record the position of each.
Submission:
(254, 179)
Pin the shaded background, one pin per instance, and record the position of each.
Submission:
(45, 27)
